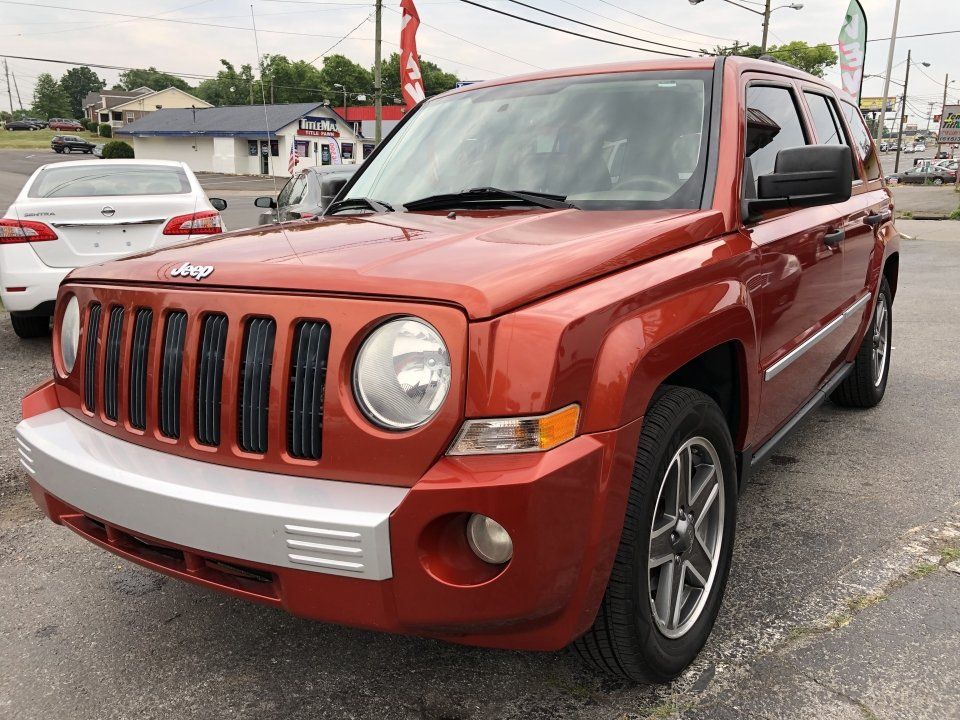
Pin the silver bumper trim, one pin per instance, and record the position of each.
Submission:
(325, 526)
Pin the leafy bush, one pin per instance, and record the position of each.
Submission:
(89, 125)
(117, 149)
(106, 130)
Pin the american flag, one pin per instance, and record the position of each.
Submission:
(294, 158)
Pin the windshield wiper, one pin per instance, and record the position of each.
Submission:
(356, 203)
(485, 195)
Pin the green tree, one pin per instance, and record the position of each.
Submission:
(49, 99)
(435, 80)
(353, 76)
(291, 82)
(814, 59)
(76, 83)
(152, 78)
(230, 87)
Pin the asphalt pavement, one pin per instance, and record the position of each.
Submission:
(839, 604)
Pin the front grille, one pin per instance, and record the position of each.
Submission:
(139, 358)
(90, 361)
(111, 370)
(308, 371)
(177, 374)
(255, 384)
(170, 373)
(213, 344)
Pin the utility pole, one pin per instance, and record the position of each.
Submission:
(943, 110)
(929, 114)
(377, 79)
(766, 27)
(903, 112)
(6, 71)
(886, 80)
(17, 88)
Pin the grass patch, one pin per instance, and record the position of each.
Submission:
(955, 215)
(666, 710)
(924, 569)
(948, 555)
(36, 139)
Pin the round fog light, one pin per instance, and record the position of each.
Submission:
(489, 540)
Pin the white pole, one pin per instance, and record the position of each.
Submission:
(886, 80)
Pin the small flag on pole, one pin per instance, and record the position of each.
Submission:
(294, 158)
(411, 81)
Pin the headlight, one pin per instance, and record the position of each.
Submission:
(70, 334)
(402, 374)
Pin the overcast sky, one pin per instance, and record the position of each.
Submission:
(474, 43)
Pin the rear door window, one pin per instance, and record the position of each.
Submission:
(102, 180)
(863, 142)
(826, 122)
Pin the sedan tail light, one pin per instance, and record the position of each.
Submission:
(24, 231)
(201, 223)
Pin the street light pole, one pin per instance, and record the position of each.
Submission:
(766, 27)
(903, 112)
(943, 110)
(886, 81)
(377, 79)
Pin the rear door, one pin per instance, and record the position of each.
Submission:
(800, 291)
(102, 211)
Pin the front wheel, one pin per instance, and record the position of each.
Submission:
(938, 181)
(671, 566)
(865, 386)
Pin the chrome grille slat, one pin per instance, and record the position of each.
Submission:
(170, 375)
(137, 400)
(213, 345)
(308, 370)
(90, 359)
(255, 384)
(111, 368)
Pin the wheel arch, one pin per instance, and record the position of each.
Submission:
(891, 271)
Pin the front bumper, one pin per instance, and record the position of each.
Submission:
(370, 556)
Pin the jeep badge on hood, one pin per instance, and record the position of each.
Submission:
(197, 272)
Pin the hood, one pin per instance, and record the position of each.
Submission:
(486, 262)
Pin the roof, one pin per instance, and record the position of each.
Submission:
(141, 98)
(93, 98)
(223, 121)
(359, 113)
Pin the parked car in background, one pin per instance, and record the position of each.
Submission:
(75, 213)
(920, 147)
(39, 122)
(948, 164)
(925, 174)
(61, 124)
(884, 146)
(21, 125)
(942, 155)
(70, 143)
(306, 195)
(503, 392)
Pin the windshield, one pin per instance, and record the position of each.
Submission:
(105, 180)
(613, 141)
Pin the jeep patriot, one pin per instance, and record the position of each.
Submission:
(505, 390)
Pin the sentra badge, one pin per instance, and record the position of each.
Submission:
(197, 272)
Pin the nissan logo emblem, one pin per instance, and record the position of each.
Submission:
(108, 211)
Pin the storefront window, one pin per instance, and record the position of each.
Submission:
(275, 148)
(347, 150)
(252, 148)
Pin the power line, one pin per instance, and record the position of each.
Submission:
(601, 29)
(358, 26)
(568, 32)
(672, 27)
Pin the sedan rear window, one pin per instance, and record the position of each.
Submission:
(101, 180)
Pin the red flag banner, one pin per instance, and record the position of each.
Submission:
(411, 81)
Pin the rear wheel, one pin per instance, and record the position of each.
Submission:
(66, 149)
(865, 386)
(674, 555)
(30, 326)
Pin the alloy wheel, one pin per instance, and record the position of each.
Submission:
(881, 339)
(685, 537)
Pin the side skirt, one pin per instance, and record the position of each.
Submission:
(750, 459)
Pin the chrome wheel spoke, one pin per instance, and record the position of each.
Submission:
(700, 563)
(661, 548)
(684, 475)
(706, 489)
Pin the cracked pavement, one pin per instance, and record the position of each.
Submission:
(839, 603)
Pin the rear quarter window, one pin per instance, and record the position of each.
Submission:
(101, 180)
(862, 142)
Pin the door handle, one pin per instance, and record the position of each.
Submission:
(833, 238)
(876, 219)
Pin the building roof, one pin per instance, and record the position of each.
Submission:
(222, 121)
(145, 98)
(360, 113)
(94, 98)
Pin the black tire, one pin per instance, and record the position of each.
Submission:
(30, 326)
(625, 639)
(66, 149)
(861, 388)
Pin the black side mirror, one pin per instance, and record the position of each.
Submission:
(218, 204)
(804, 177)
(266, 202)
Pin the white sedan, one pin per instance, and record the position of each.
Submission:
(71, 214)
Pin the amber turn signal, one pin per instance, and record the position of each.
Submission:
(517, 435)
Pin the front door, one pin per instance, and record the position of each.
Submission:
(800, 294)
